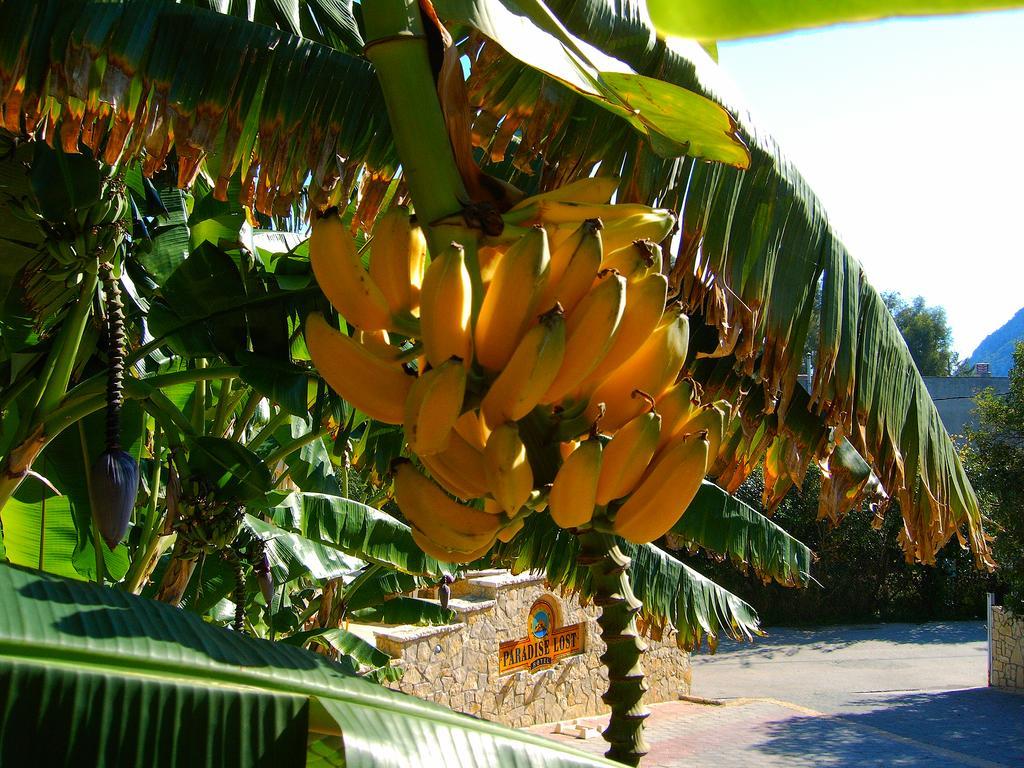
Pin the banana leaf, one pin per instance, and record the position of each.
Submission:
(347, 644)
(135, 79)
(129, 681)
(404, 610)
(292, 555)
(359, 530)
(717, 20)
(755, 251)
(675, 120)
(725, 526)
(327, 21)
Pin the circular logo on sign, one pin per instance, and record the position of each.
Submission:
(543, 619)
(539, 623)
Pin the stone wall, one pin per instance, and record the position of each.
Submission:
(1007, 650)
(457, 665)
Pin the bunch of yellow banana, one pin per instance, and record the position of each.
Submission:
(559, 387)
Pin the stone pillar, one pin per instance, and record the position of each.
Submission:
(1007, 657)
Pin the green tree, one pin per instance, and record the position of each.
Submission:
(927, 333)
(995, 460)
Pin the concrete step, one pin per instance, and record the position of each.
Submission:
(487, 584)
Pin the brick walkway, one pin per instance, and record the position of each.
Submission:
(764, 732)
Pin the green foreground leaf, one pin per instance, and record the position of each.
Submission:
(129, 681)
(718, 20)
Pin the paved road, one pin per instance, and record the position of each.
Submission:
(844, 669)
(883, 695)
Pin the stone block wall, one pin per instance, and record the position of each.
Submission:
(457, 665)
(1007, 650)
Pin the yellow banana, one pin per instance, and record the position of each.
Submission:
(573, 494)
(489, 257)
(398, 256)
(627, 455)
(459, 468)
(652, 369)
(506, 534)
(376, 387)
(445, 555)
(596, 189)
(433, 406)
(645, 304)
(558, 212)
(379, 343)
(711, 418)
(573, 267)
(636, 261)
(446, 302)
(665, 493)
(471, 427)
(654, 224)
(677, 406)
(589, 332)
(448, 523)
(510, 303)
(534, 365)
(509, 475)
(340, 274)
(566, 448)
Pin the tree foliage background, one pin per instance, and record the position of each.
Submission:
(995, 460)
(861, 574)
(927, 333)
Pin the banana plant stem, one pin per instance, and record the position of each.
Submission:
(275, 421)
(609, 573)
(224, 400)
(289, 448)
(61, 361)
(246, 416)
(199, 400)
(96, 542)
(397, 47)
(144, 551)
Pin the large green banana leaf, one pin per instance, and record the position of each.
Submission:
(143, 78)
(672, 593)
(756, 248)
(94, 676)
(721, 20)
(725, 526)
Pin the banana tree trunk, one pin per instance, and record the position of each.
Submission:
(609, 572)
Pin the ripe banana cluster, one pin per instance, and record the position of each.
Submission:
(558, 388)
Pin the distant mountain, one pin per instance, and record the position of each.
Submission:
(997, 348)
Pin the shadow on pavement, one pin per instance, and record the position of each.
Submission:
(980, 723)
(829, 639)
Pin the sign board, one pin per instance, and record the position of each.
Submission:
(545, 643)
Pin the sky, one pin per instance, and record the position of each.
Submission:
(910, 132)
